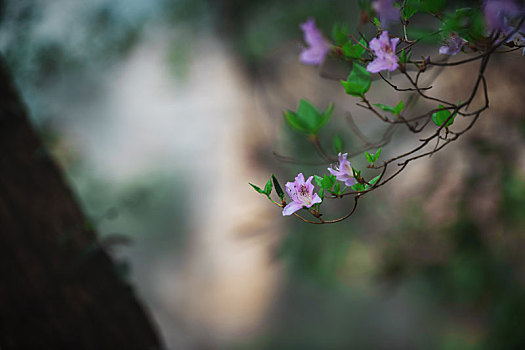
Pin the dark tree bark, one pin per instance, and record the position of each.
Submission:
(58, 287)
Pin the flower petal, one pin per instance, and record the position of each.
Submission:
(291, 208)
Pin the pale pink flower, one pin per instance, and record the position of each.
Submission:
(301, 193)
(317, 48)
(343, 172)
(385, 51)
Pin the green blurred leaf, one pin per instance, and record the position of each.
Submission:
(308, 114)
(358, 82)
(426, 36)
(369, 157)
(354, 51)
(340, 32)
(308, 119)
(466, 22)
(338, 144)
(278, 187)
(294, 121)
(432, 5)
(439, 117)
(410, 8)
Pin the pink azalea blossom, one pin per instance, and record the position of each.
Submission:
(497, 11)
(454, 44)
(317, 48)
(385, 51)
(344, 171)
(387, 12)
(301, 193)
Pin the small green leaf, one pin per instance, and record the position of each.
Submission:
(378, 153)
(354, 51)
(268, 187)
(372, 182)
(358, 82)
(337, 188)
(404, 57)
(439, 117)
(258, 189)
(325, 117)
(369, 157)
(328, 182)
(321, 193)
(399, 107)
(385, 107)
(377, 23)
(295, 122)
(278, 187)
(338, 144)
(358, 187)
(340, 32)
(318, 180)
(410, 9)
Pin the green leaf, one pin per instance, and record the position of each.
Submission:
(308, 114)
(294, 121)
(403, 57)
(432, 6)
(308, 119)
(337, 188)
(321, 193)
(377, 23)
(258, 189)
(399, 107)
(354, 51)
(340, 32)
(278, 187)
(268, 187)
(439, 117)
(325, 117)
(369, 157)
(410, 9)
(385, 107)
(338, 144)
(358, 187)
(318, 180)
(372, 182)
(468, 23)
(328, 182)
(378, 153)
(358, 82)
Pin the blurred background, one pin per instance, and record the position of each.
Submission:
(160, 112)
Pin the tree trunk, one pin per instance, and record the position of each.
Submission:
(58, 287)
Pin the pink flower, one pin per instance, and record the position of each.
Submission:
(344, 171)
(385, 51)
(318, 46)
(387, 11)
(301, 193)
(497, 11)
(454, 44)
